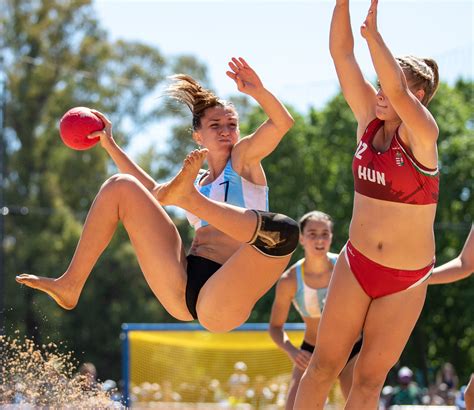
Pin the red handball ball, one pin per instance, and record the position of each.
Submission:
(76, 125)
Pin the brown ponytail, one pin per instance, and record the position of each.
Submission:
(187, 90)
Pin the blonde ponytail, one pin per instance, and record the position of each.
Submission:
(422, 73)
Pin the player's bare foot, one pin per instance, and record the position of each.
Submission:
(181, 187)
(56, 288)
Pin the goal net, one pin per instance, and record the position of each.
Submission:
(181, 364)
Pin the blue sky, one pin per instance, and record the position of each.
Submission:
(286, 42)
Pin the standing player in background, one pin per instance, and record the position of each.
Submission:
(379, 283)
(305, 285)
(237, 241)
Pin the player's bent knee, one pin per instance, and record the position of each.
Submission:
(327, 366)
(217, 326)
(321, 370)
(217, 321)
(121, 182)
(368, 379)
(276, 235)
(313, 372)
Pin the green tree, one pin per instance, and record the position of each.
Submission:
(56, 56)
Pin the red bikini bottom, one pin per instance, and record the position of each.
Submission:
(378, 280)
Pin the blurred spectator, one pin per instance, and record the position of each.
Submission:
(460, 399)
(110, 387)
(433, 398)
(168, 393)
(447, 375)
(407, 392)
(443, 391)
(451, 397)
(218, 395)
(89, 374)
(238, 383)
(259, 385)
(385, 396)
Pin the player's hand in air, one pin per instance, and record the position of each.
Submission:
(369, 26)
(247, 80)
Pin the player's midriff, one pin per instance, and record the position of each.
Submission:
(387, 232)
(212, 244)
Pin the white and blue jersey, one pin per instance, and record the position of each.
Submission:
(233, 189)
(309, 302)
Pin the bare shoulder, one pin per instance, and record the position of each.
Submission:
(429, 133)
(287, 281)
(424, 149)
(238, 155)
(246, 166)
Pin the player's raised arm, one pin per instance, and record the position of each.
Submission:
(358, 92)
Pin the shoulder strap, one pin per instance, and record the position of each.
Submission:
(333, 257)
(299, 268)
(372, 128)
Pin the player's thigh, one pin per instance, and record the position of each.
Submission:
(157, 245)
(228, 297)
(343, 316)
(389, 323)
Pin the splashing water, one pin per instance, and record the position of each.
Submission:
(33, 377)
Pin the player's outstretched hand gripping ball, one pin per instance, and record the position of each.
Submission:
(76, 125)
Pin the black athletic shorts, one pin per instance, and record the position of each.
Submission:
(355, 350)
(199, 270)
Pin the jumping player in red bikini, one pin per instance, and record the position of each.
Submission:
(380, 278)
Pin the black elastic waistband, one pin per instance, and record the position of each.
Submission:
(307, 346)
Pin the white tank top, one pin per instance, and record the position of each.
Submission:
(309, 302)
(233, 189)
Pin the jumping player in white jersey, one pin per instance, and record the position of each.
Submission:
(305, 286)
(237, 253)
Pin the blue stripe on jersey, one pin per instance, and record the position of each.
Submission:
(206, 191)
(322, 293)
(299, 299)
(309, 301)
(333, 257)
(232, 179)
(230, 187)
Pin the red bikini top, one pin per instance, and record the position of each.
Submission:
(394, 175)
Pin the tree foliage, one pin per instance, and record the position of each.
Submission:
(56, 56)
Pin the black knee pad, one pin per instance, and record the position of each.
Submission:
(276, 235)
